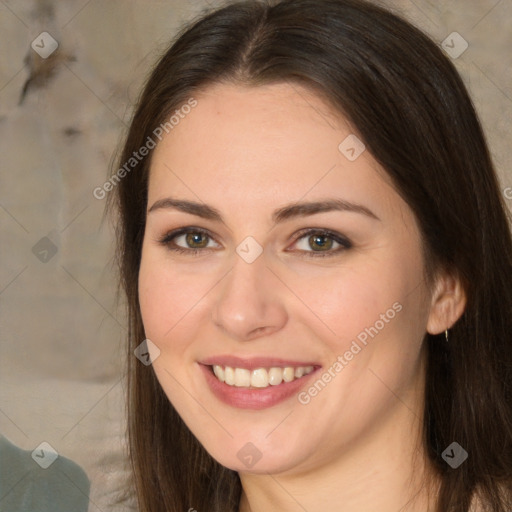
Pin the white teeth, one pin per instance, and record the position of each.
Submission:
(242, 377)
(219, 372)
(275, 376)
(261, 377)
(229, 376)
(288, 374)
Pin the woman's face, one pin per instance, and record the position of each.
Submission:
(307, 262)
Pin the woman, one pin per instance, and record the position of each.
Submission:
(318, 265)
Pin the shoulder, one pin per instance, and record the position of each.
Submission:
(36, 481)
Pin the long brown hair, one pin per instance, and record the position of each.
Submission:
(410, 107)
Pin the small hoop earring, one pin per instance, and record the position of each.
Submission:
(446, 335)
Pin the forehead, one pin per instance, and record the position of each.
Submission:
(265, 144)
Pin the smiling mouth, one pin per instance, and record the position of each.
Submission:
(259, 377)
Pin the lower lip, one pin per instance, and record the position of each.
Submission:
(253, 398)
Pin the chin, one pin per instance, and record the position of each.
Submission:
(257, 454)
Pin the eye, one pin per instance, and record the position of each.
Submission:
(321, 241)
(189, 240)
(312, 242)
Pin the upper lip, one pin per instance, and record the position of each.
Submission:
(252, 363)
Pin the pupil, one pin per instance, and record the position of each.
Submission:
(322, 241)
(195, 238)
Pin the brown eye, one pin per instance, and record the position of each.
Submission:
(321, 243)
(196, 240)
(187, 240)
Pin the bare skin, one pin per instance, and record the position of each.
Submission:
(356, 444)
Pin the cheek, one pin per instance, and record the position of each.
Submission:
(371, 314)
(344, 301)
(166, 296)
(375, 319)
(380, 323)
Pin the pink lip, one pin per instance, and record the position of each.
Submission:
(254, 398)
(253, 363)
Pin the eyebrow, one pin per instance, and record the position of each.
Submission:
(281, 214)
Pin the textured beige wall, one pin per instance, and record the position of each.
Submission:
(61, 119)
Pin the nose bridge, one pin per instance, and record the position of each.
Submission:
(248, 302)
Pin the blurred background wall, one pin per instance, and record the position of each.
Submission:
(63, 112)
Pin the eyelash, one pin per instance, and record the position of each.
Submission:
(344, 242)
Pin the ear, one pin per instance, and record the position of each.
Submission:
(447, 304)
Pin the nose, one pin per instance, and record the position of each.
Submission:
(249, 304)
